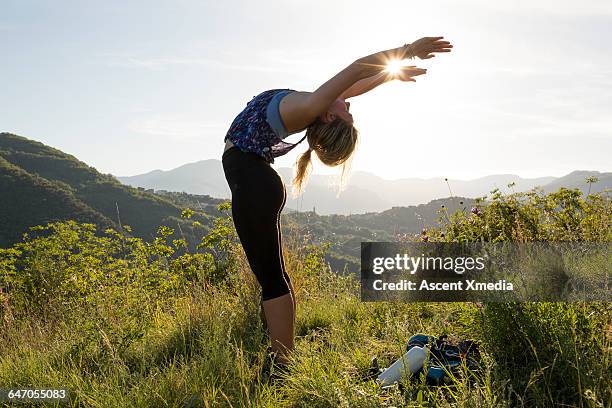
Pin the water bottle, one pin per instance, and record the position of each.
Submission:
(411, 362)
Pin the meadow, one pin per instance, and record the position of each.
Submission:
(121, 322)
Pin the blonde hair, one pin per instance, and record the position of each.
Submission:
(334, 143)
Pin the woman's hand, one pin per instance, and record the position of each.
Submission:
(407, 73)
(425, 47)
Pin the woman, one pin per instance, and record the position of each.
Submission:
(258, 193)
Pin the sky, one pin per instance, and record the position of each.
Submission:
(130, 87)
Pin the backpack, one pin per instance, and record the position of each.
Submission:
(444, 359)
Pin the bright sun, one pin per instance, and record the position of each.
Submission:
(394, 66)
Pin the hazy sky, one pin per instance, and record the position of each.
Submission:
(133, 86)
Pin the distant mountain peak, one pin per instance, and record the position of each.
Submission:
(366, 192)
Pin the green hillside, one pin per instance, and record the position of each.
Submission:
(41, 184)
(28, 200)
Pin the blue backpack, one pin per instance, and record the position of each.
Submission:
(444, 361)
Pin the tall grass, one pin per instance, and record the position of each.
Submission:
(124, 323)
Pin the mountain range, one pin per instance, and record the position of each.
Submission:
(40, 184)
(365, 192)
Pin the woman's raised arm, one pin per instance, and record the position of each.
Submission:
(300, 109)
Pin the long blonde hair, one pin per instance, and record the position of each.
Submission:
(334, 143)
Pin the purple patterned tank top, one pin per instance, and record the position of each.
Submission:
(251, 132)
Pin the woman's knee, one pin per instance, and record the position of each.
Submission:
(271, 289)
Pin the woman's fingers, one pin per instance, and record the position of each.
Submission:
(415, 73)
(413, 70)
(441, 46)
(433, 46)
(406, 73)
(425, 47)
(405, 78)
(436, 49)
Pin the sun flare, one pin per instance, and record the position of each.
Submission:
(395, 66)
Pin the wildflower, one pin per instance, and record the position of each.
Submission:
(424, 231)
(425, 238)
(476, 211)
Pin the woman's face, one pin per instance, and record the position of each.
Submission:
(338, 109)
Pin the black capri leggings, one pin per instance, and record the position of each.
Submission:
(258, 197)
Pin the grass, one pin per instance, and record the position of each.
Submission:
(201, 342)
